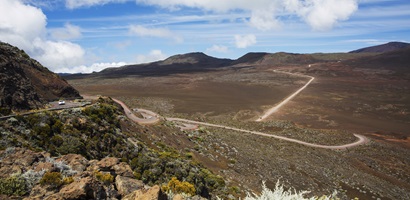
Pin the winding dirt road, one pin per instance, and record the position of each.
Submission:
(154, 119)
(285, 101)
(361, 139)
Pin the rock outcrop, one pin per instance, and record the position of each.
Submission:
(78, 178)
(25, 84)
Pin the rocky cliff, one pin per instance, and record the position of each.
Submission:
(26, 84)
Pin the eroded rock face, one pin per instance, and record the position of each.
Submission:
(107, 163)
(126, 185)
(95, 179)
(81, 189)
(153, 193)
(77, 162)
(25, 84)
(86, 181)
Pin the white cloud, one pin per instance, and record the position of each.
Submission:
(322, 14)
(319, 14)
(154, 55)
(24, 26)
(96, 67)
(59, 54)
(72, 4)
(245, 40)
(153, 32)
(21, 24)
(218, 48)
(69, 32)
(264, 20)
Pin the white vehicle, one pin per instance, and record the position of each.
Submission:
(61, 102)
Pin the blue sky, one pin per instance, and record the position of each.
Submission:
(90, 35)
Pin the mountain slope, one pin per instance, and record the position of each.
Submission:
(199, 62)
(275, 59)
(191, 62)
(391, 46)
(26, 84)
(398, 61)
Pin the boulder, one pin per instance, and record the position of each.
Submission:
(7, 170)
(21, 157)
(44, 165)
(39, 192)
(123, 169)
(178, 197)
(196, 197)
(82, 189)
(107, 163)
(77, 162)
(153, 193)
(126, 185)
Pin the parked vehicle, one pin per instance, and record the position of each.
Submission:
(61, 102)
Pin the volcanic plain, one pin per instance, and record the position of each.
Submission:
(349, 95)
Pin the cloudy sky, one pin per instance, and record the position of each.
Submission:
(90, 35)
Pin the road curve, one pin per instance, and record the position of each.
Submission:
(283, 102)
(134, 118)
(361, 139)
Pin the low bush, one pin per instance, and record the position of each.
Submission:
(52, 179)
(177, 187)
(13, 185)
(106, 178)
(68, 180)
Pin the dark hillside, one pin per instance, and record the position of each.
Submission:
(26, 84)
(251, 57)
(391, 46)
(398, 61)
(191, 62)
(279, 58)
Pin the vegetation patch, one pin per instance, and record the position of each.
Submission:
(13, 185)
(177, 187)
(52, 179)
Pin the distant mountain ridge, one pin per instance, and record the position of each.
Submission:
(391, 46)
(25, 84)
(197, 61)
(193, 58)
(190, 62)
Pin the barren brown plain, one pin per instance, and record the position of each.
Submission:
(337, 104)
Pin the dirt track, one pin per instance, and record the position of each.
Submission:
(283, 102)
(154, 119)
(362, 139)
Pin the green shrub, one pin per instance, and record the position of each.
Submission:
(68, 180)
(13, 185)
(106, 178)
(178, 187)
(57, 140)
(53, 179)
